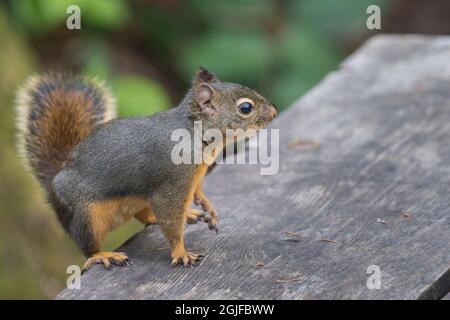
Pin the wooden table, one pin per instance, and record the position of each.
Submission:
(363, 186)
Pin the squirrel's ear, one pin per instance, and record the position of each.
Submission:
(202, 97)
(204, 75)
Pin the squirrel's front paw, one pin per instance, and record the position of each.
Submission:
(187, 259)
(212, 220)
(194, 216)
(106, 258)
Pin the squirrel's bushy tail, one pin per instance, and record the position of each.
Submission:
(54, 113)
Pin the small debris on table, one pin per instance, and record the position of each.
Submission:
(304, 144)
(405, 215)
(259, 264)
(289, 280)
(381, 221)
(293, 234)
(327, 240)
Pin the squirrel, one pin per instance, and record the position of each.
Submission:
(99, 171)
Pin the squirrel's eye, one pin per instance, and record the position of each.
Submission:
(246, 108)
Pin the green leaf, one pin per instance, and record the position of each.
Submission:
(106, 14)
(39, 16)
(138, 96)
(54, 12)
(231, 55)
(234, 15)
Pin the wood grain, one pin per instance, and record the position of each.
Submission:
(373, 191)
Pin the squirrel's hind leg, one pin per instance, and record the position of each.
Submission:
(91, 225)
(146, 216)
(88, 234)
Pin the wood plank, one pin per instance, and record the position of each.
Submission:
(375, 182)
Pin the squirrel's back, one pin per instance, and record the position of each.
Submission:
(54, 114)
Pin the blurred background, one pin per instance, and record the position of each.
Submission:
(147, 51)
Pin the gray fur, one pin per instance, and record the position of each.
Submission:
(132, 157)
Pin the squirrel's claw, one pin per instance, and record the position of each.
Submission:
(188, 259)
(106, 258)
(212, 222)
(194, 216)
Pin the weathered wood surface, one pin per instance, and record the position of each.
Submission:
(378, 185)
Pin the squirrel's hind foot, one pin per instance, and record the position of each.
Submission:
(188, 259)
(107, 259)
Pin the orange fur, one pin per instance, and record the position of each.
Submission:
(146, 216)
(109, 214)
(198, 178)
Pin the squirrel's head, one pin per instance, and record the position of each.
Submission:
(223, 105)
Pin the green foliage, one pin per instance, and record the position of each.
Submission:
(97, 60)
(40, 16)
(139, 96)
(336, 18)
(304, 58)
(136, 95)
(233, 15)
(104, 14)
(232, 56)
